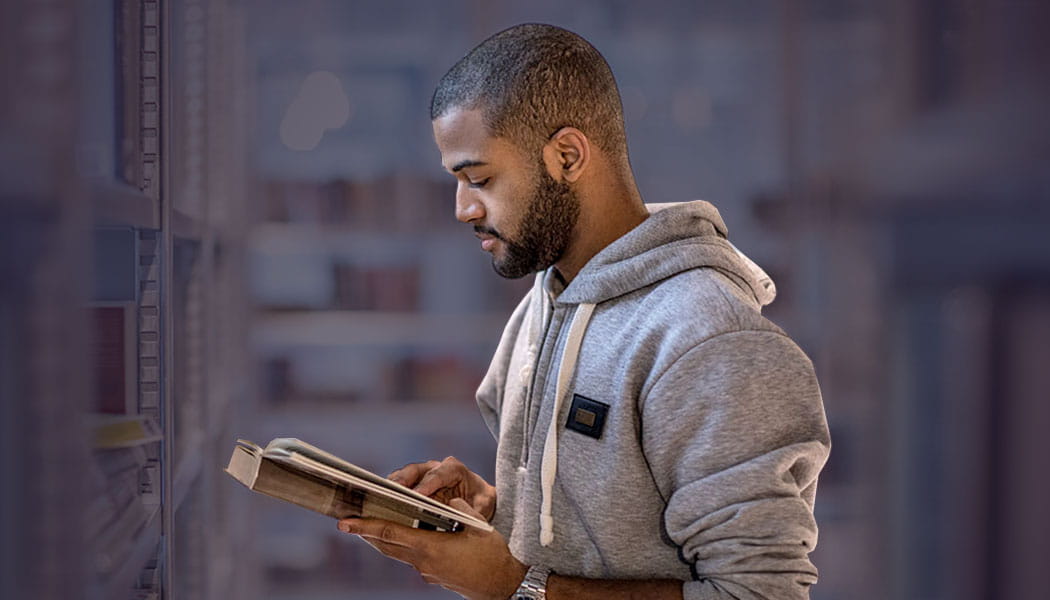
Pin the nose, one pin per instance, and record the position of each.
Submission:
(468, 207)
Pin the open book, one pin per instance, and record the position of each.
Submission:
(296, 472)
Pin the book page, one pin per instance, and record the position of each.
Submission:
(340, 500)
(287, 451)
(318, 455)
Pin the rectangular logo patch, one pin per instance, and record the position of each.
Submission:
(587, 416)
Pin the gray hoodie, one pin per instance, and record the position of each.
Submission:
(689, 429)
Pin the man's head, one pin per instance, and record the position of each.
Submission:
(518, 121)
(531, 80)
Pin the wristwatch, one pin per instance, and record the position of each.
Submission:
(534, 586)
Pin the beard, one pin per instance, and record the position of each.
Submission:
(544, 229)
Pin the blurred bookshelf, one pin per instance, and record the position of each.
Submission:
(377, 328)
(163, 305)
(376, 316)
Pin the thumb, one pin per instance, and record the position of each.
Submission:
(463, 506)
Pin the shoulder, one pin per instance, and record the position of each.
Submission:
(648, 331)
(691, 307)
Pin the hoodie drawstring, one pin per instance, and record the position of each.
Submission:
(549, 465)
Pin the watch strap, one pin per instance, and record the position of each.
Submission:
(534, 586)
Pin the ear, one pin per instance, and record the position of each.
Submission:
(567, 154)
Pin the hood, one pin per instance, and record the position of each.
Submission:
(676, 237)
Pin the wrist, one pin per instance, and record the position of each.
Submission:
(515, 574)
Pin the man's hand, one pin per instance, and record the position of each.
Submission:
(474, 564)
(446, 480)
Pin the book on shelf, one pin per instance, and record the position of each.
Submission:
(124, 431)
(114, 351)
(123, 478)
(296, 472)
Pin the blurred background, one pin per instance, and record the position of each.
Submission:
(227, 218)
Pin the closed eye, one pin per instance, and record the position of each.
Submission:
(479, 184)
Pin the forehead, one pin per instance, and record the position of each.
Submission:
(462, 137)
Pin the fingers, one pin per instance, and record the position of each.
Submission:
(449, 473)
(399, 542)
(430, 579)
(382, 531)
(441, 480)
(409, 475)
(464, 506)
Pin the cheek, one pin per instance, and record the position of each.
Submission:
(500, 207)
(500, 219)
(506, 201)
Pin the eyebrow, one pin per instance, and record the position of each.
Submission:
(463, 164)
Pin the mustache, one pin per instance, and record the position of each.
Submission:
(488, 231)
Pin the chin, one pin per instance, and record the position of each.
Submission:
(500, 268)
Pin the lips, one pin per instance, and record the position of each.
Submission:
(487, 244)
(488, 241)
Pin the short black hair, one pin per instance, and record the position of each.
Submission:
(531, 80)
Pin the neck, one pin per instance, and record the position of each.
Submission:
(606, 214)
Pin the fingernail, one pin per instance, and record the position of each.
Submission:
(344, 526)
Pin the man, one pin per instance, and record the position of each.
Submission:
(658, 438)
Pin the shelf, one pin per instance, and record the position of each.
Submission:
(373, 328)
(394, 420)
(121, 582)
(280, 238)
(117, 203)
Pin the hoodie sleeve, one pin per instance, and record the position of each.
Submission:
(735, 435)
